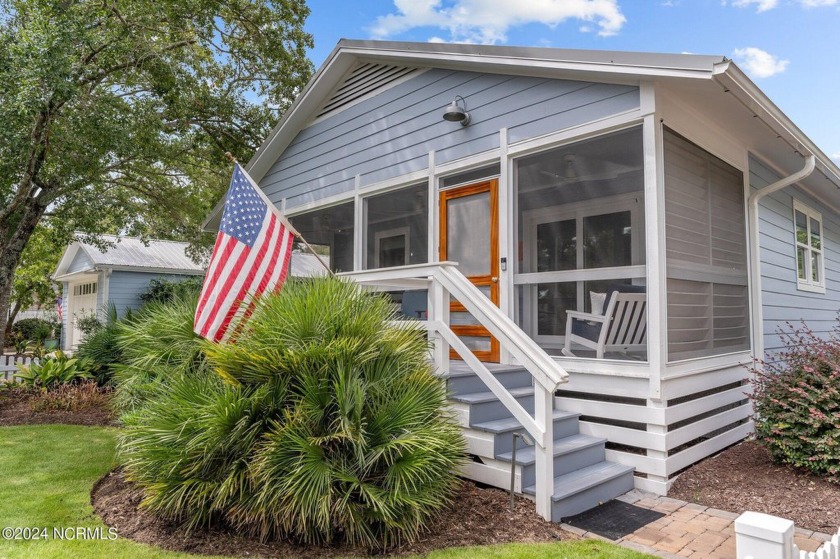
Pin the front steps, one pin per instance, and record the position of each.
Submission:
(582, 477)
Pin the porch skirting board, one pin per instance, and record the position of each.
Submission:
(700, 414)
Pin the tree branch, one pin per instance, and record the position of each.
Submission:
(136, 62)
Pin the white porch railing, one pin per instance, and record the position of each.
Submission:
(761, 536)
(443, 280)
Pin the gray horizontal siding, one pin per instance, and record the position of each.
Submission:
(782, 301)
(80, 262)
(392, 133)
(125, 288)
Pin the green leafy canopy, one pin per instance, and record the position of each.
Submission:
(116, 114)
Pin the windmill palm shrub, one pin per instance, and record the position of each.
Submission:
(323, 422)
(154, 346)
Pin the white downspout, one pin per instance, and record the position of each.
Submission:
(755, 255)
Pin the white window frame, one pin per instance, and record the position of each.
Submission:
(387, 234)
(808, 284)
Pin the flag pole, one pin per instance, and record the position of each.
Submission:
(279, 215)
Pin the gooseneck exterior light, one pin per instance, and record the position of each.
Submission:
(456, 112)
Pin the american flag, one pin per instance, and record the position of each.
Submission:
(251, 256)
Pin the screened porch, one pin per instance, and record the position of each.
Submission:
(557, 230)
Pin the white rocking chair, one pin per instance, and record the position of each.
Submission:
(622, 327)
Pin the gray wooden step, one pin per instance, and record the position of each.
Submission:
(584, 489)
(465, 382)
(570, 454)
(565, 424)
(485, 406)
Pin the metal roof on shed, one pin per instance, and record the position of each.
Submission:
(132, 253)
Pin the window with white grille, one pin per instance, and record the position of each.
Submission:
(84, 289)
(810, 269)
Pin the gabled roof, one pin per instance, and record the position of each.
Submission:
(615, 66)
(707, 73)
(129, 253)
(594, 65)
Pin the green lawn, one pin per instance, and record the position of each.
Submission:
(48, 471)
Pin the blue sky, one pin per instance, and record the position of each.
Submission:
(788, 47)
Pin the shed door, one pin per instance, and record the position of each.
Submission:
(469, 235)
(82, 303)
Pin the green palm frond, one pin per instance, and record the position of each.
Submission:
(322, 422)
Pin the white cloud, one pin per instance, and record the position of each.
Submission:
(836, 157)
(759, 63)
(764, 5)
(818, 3)
(761, 5)
(487, 21)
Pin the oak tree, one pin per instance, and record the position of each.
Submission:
(115, 114)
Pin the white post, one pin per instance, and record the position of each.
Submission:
(761, 536)
(544, 418)
(438, 313)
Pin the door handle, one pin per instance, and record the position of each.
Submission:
(494, 279)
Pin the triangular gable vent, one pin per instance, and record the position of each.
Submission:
(363, 80)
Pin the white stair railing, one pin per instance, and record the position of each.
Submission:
(443, 280)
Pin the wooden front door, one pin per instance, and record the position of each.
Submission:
(469, 235)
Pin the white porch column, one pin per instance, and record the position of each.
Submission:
(657, 283)
(655, 244)
(507, 235)
(358, 227)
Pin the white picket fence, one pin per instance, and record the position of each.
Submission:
(9, 365)
(761, 536)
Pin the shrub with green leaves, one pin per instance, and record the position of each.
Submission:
(89, 323)
(51, 372)
(20, 343)
(100, 347)
(323, 422)
(35, 329)
(797, 403)
(161, 290)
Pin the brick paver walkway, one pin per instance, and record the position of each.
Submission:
(690, 530)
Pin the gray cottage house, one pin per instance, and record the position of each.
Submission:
(92, 279)
(598, 243)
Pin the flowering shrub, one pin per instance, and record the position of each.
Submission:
(797, 402)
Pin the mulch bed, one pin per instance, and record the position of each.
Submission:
(743, 477)
(480, 516)
(16, 409)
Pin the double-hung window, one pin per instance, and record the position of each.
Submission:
(810, 273)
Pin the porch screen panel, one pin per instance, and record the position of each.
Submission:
(706, 251)
(397, 228)
(580, 227)
(330, 232)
